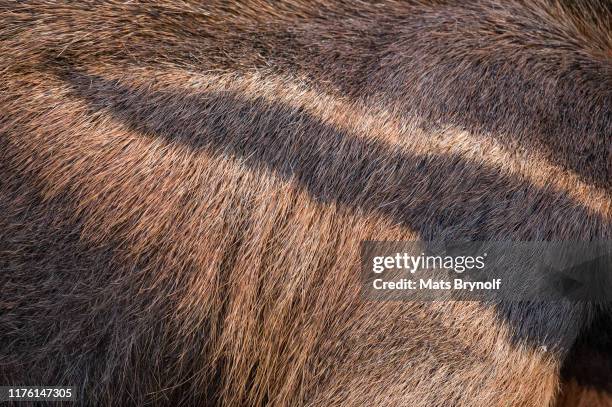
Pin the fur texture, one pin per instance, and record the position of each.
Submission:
(184, 188)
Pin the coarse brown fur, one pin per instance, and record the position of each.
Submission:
(184, 187)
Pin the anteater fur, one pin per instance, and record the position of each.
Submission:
(184, 187)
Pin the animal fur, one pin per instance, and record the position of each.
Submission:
(184, 187)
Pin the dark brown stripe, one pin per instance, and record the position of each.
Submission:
(440, 197)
